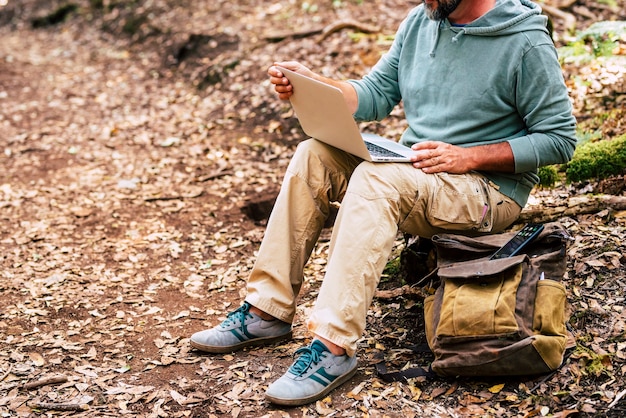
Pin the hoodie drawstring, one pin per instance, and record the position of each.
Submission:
(437, 29)
(458, 35)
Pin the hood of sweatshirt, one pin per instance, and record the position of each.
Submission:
(506, 17)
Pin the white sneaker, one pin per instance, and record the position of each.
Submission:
(240, 329)
(312, 376)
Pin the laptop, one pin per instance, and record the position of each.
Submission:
(324, 115)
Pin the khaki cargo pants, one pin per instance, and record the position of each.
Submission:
(377, 200)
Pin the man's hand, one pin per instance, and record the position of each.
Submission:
(439, 157)
(280, 82)
(284, 88)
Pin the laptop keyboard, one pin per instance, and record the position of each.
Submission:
(377, 151)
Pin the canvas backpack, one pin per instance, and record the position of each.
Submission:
(501, 317)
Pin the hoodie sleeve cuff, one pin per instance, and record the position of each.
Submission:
(364, 101)
(523, 154)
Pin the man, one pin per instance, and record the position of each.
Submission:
(486, 105)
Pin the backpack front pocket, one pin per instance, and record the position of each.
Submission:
(480, 306)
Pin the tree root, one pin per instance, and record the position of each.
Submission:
(346, 24)
(324, 32)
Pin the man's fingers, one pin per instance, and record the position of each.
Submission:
(425, 145)
(283, 88)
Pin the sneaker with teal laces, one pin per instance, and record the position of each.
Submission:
(240, 329)
(312, 376)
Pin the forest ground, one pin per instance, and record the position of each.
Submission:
(141, 149)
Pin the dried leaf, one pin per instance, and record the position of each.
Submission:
(37, 359)
(496, 388)
(180, 399)
(436, 392)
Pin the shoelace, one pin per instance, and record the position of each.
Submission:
(308, 357)
(240, 314)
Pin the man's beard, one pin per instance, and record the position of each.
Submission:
(443, 10)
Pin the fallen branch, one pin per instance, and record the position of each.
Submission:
(214, 176)
(618, 397)
(4, 376)
(574, 206)
(401, 291)
(59, 406)
(54, 380)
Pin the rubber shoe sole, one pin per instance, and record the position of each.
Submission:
(236, 347)
(312, 398)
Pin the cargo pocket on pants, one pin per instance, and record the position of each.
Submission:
(460, 202)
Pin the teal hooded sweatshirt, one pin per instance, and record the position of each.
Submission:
(495, 79)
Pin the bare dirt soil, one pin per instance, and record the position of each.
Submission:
(141, 150)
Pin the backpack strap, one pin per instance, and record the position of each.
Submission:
(403, 375)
